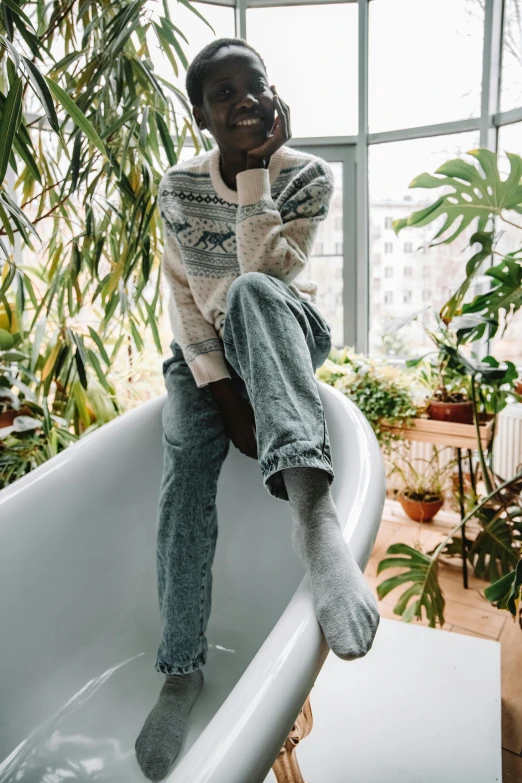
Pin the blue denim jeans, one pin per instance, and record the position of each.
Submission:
(273, 342)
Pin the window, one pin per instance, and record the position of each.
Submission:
(409, 62)
(388, 247)
(286, 37)
(408, 247)
(392, 166)
(338, 223)
(388, 222)
(388, 271)
(426, 295)
(327, 269)
(508, 346)
(511, 78)
(388, 297)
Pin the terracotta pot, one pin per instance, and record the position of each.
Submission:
(459, 412)
(518, 387)
(420, 510)
(7, 417)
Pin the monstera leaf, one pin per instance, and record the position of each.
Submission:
(493, 553)
(506, 593)
(452, 306)
(505, 293)
(474, 196)
(421, 571)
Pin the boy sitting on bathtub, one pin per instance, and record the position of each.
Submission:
(240, 223)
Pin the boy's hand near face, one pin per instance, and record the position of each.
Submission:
(280, 134)
(238, 416)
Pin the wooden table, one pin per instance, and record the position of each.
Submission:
(458, 436)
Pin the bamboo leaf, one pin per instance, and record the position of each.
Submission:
(39, 85)
(12, 51)
(15, 8)
(78, 116)
(97, 368)
(166, 140)
(27, 157)
(153, 325)
(195, 11)
(9, 123)
(38, 337)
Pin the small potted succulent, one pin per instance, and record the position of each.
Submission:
(422, 493)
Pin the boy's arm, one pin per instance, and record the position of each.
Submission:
(196, 337)
(279, 241)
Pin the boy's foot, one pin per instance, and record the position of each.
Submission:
(345, 606)
(159, 741)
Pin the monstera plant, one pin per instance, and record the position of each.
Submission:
(477, 194)
(87, 128)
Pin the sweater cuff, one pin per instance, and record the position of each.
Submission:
(209, 367)
(253, 185)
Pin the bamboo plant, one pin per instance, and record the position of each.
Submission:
(87, 128)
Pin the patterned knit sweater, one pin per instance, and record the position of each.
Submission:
(213, 234)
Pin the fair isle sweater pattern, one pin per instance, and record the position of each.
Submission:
(214, 234)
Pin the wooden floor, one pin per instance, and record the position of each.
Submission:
(466, 611)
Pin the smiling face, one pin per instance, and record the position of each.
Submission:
(238, 104)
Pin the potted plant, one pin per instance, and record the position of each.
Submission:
(447, 377)
(496, 553)
(422, 494)
(388, 396)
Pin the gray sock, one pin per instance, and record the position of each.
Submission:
(344, 604)
(160, 739)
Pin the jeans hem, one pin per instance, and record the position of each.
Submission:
(278, 460)
(170, 668)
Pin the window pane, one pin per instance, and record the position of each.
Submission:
(311, 56)
(197, 33)
(509, 346)
(511, 94)
(326, 262)
(403, 280)
(425, 62)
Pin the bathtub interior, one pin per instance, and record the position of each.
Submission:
(77, 576)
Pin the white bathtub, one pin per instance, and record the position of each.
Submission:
(80, 624)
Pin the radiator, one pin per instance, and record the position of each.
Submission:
(508, 441)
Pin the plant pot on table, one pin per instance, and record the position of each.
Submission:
(457, 412)
(420, 509)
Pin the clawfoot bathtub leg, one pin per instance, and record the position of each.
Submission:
(286, 767)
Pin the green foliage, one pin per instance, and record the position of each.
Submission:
(421, 570)
(478, 195)
(88, 129)
(473, 196)
(426, 479)
(481, 195)
(506, 593)
(386, 395)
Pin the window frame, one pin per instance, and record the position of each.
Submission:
(487, 123)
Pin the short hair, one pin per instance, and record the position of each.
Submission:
(199, 67)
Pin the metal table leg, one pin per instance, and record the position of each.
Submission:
(462, 515)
